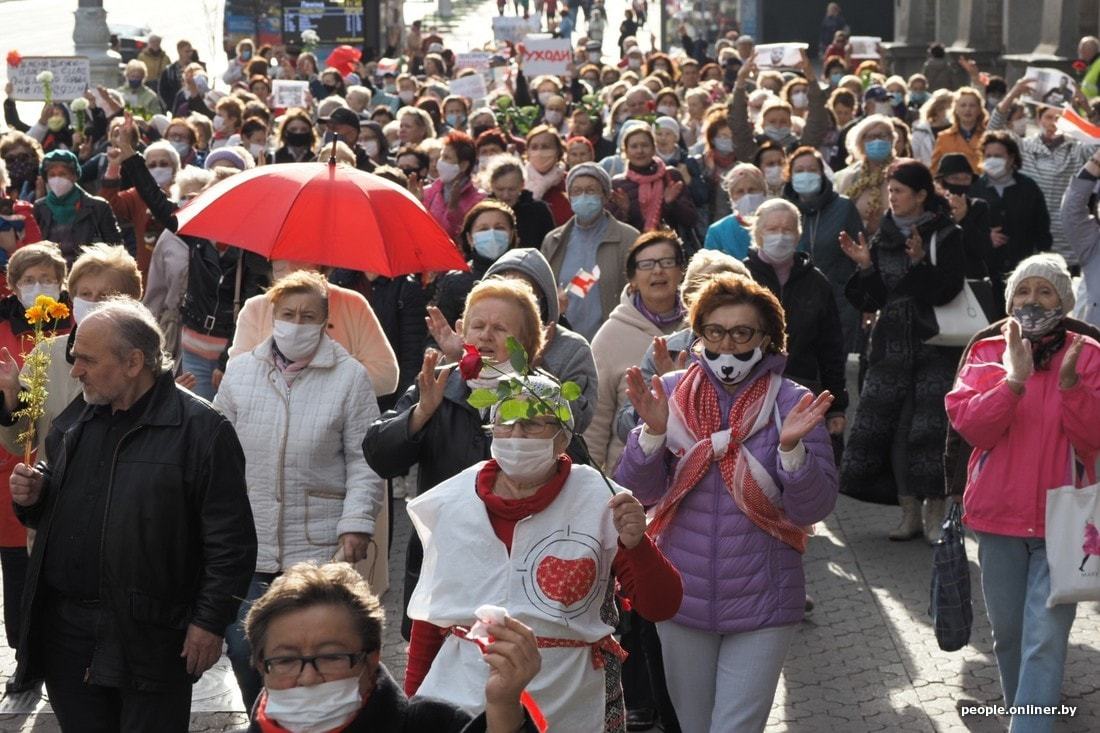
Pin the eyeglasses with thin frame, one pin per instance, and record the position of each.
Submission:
(323, 664)
(665, 263)
(715, 334)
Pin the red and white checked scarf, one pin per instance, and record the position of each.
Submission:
(696, 399)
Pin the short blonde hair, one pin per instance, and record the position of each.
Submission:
(34, 255)
(137, 65)
(771, 207)
(344, 153)
(111, 258)
(520, 293)
(299, 282)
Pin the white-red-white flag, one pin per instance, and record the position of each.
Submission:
(1074, 126)
(584, 281)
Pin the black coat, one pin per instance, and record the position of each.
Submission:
(1023, 215)
(389, 711)
(94, 222)
(977, 243)
(178, 545)
(816, 355)
(533, 220)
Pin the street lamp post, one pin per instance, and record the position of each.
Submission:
(92, 39)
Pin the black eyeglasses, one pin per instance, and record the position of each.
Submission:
(323, 664)
(665, 263)
(715, 334)
(409, 172)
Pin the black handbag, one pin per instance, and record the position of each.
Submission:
(950, 607)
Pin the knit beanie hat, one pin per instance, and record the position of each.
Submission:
(64, 157)
(592, 171)
(1049, 266)
(232, 154)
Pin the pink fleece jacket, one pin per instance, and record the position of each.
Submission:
(1022, 442)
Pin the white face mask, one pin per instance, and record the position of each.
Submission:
(406, 96)
(995, 167)
(732, 368)
(59, 185)
(779, 246)
(256, 149)
(748, 203)
(1020, 127)
(29, 294)
(448, 171)
(553, 117)
(297, 341)
(667, 111)
(317, 708)
(162, 175)
(545, 97)
(524, 459)
(800, 99)
(218, 122)
(370, 147)
(773, 174)
(83, 308)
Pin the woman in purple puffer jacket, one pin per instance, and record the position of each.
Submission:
(738, 463)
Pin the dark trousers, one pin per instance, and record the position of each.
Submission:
(13, 564)
(238, 649)
(68, 642)
(643, 671)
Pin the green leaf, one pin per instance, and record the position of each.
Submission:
(532, 410)
(563, 414)
(517, 355)
(570, 391)
(504, 389)
(513, 410)
(482, 398)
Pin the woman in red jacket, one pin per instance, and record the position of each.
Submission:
(17, 223)
(36, 269)
(545, 174)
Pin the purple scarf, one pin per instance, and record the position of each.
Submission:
(665, 321)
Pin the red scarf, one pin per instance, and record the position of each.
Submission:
(651, 193)
(504, 513)
(697, 400)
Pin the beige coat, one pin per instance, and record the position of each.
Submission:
(63, 389)
(620, 344)
(611, 257)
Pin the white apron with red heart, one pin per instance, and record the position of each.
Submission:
(554, 581)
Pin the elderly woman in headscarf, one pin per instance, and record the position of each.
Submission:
(546, 539)
(1026, 398)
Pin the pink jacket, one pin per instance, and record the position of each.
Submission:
(1022, 442)
(435, 201)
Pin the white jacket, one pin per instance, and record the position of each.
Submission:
(308, 480)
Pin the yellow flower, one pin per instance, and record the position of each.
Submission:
(44, 301)
(36, 313)
(58, 311)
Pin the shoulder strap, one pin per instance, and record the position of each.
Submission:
(932, 247)
(237, 287)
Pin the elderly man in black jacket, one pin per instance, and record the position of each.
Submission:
(145, 536)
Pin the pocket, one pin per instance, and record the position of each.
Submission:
(148, 609)
(323, 512)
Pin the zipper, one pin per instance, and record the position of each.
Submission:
(280, 474)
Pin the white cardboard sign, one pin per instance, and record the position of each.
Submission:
(513, 29)
(865, 47)
(288, 93)
(70, 77)
(545, 55)
(471, 86)
(779, 55)
(1052, 87)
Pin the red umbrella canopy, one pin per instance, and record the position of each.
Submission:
(344, 59)
(322, 214)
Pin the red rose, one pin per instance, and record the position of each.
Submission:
(1080, 66)
(469, 366)
(14, 59)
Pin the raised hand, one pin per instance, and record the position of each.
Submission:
(628, 515)
(431, 387)
(1067, 374)
(650, 401)
(914, 247)
(858, 252)
(9, 377)
(672, 191)
(1017, 359)
(804, 417)
(448, 339)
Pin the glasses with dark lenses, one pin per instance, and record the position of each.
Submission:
(715, 334)
(324, 664)
(665, 263)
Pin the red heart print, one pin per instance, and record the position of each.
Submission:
(566, 581)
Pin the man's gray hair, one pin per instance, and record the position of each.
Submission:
(135, 328)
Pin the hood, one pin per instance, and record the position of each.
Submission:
(531, 263)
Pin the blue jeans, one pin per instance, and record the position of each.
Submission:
(1029, 640)
(238, 649)
(202, 369)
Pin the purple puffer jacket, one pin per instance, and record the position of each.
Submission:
(736, 577)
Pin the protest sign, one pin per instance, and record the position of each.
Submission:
(865, 47)
(287, 94)
(476, 60)
(514, 29)
(779, 55)
(471, 86)
(1049, 86)
(546, 55)
(70, 77)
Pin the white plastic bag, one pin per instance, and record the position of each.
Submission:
(1073, 544)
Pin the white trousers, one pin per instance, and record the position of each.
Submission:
(723, 683)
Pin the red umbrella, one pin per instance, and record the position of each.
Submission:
(323, 214)
(344, 59)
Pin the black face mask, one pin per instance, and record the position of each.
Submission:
(298, 139)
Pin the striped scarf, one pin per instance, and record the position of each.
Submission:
(694, 402)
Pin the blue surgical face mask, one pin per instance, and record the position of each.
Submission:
(491, 243)
(919, 98)
(723, 145)
(877, 150)
(586, 206)
(806, 183)
(456, 119)
(835, 78)
(777, 134)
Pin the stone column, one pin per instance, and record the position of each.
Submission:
(92, 39)
(975, 37)
(1040, 34)
(914, 25)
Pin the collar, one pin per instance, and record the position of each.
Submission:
(323, 358)
(162, 405)
(516, 509)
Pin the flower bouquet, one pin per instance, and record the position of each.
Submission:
(79, 108)
(310, 40)
(36, 367)
(518, 119)
(516, 397)
(45, 78)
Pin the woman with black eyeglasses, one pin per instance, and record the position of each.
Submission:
(736, 462)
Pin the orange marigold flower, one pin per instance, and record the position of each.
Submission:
(36, 314)
(44, 301)
(58, 311)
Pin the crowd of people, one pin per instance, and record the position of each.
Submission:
(676, 256)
